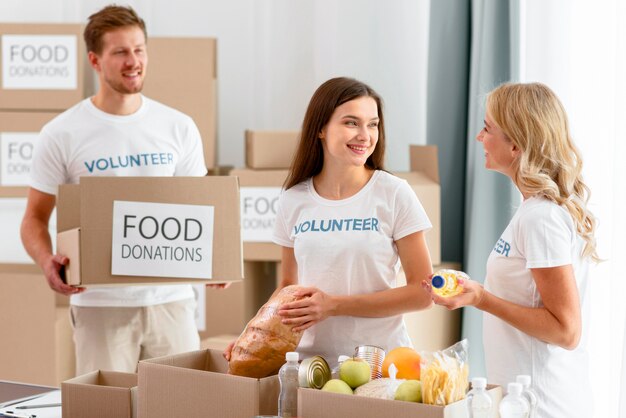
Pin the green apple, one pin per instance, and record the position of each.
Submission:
(410, 391)
(337, 386)
(355, 372)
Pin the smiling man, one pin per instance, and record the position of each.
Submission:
(117, 132)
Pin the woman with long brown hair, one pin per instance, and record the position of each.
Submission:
(345, 225)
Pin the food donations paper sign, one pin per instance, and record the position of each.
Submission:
(16, 154)
(39, 62)
(162, 240)
(258, 213)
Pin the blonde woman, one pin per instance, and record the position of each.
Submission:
(534, 296)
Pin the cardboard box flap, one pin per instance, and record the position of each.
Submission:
(97, 195)
(264, 178)
(118, 379)
(68, 207)
(424, 159)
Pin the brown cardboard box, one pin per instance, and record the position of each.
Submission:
(435, 328)
(36, 331)
(195, 385)
(183, 75)
(259, 193)
(18, 130)
(86, 231)
(44, 68)
(100, 394)
(241, 300)
(424, 179)
(314, 403)
(271, 149)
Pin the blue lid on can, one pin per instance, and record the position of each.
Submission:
(437, 281)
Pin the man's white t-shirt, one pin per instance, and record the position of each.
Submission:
(541, 234)
(347, 247)
(156, 140)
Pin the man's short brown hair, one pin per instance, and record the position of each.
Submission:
(110, 18)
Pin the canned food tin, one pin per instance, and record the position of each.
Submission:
(374, 356)
(313, 372)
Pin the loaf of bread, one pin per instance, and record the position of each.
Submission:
(260, 349)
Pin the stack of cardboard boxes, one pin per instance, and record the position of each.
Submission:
(268, 155)
(42, 74)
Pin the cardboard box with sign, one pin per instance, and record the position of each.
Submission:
(424, 179)
(183, 75)
(196, 385)
(150, 230)
(259, 194)
(42, 66)
(18, 135)
(271, 149)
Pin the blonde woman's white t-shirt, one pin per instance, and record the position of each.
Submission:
(156, 140)
(541, 234)
(347, 247)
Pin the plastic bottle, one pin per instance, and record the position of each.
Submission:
(445, 282)
(478, 400)
(514, 405)
(528, 393)
(288, 377)
(335, 372)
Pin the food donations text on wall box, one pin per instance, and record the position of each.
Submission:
(314, 403)
(241, 300)
(270, 149)
(18, 134)
(42, 66)
(85, 230)
(183, 74)
(35, 328)
(259, 194)
(196, 385)
(435, 328)
(424, 179)
(100, 394)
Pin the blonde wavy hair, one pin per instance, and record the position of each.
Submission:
(549, 165)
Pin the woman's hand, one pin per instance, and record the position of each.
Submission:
(472, 295)
(228, 351)
(314, 307)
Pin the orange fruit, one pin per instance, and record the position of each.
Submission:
(407, 362)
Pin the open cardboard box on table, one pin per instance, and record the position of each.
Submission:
(314, 403)
(209, 244)
(196, 385)
(100, 394)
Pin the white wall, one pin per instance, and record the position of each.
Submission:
(272, 55)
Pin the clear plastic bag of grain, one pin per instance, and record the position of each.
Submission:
(260, 349)
(445, 374)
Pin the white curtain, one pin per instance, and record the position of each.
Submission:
(578, 48)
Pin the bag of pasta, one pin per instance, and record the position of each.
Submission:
(445, 375)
